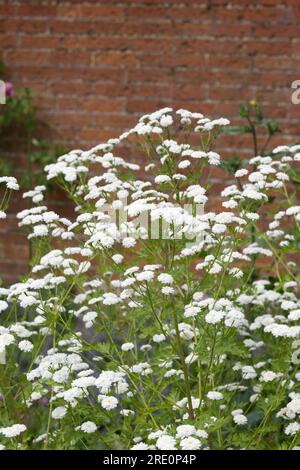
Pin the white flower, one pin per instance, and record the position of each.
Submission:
(61, 375)
(162, 179)
(88, 427)
(156, 434)
(145, 276)
(84, 382)
(191, 311)
(268, 376)
(219, 228)
(184, 164)
(117, 258)
(165, 278)
(109, 298)
(140, 446)
(185, 430)
(167, 290)
(224, 218)
(248, 372)
(5, 340)
(294, 405)
(240, 173)
(214, 316)
(216, 268)
(3, 305)
(127, 346)
(25, 346)
(202, 434)
(166, 442)
(166, 121)
(13, 431)
(215, 395)
(128, 242)
(292, 429)
(255, 177)
(190, 443)
(11, 182)
(126, 412)
(240, 419)
(40, 230)
(59, 412)
(294, 315)
(288, 305)
(159, 338)
(109, 403)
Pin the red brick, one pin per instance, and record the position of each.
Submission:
(8, 10)
(27, 56)
(93, 10)
(115, 58)
(103, 105)
(32, 10)
(70, 58)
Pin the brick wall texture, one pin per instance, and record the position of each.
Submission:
(95, 66)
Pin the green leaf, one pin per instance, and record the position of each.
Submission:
(244, 110)
(258, 113)
(272, 127)
(294, 175)
(236, 130)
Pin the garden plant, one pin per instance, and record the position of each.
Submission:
(166, 313)
(19, 119)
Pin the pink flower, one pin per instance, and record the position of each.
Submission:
(9, 89)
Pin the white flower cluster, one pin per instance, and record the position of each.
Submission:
(145, 308)
(186, 437)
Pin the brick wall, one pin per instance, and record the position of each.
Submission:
(94, 66)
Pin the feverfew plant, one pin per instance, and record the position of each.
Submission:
(165, 313)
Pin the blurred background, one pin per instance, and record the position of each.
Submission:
(80, 72)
